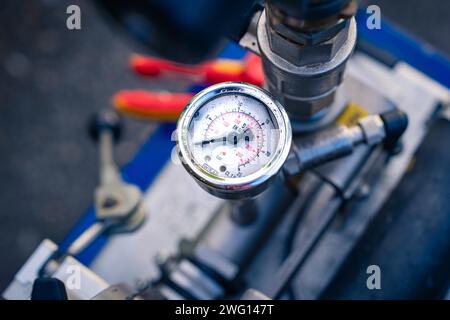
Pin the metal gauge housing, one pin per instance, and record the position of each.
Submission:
(233, 138)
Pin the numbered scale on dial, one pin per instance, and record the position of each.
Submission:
(233, 138)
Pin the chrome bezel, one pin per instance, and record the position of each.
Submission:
(241, 186)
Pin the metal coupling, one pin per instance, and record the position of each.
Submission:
(302, 69)
(341, 140)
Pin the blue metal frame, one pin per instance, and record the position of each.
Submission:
(145, 166)
(391, 39)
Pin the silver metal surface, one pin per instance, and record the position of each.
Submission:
(179, 214)
(86, 238)
(117, 206)
(333, 143)
(216, 259)
(22, 284)
(306, 54)
(238, 187)
(119, 291)
(81, 282)
(249, 40)
(413, 93)
(252, 294)
(184, 211)
(227, 246)
(190, 285)
(373, 129)
(200, 279)
(115, 200)
(400, 85)
(304, 78)
(237, 242)
(324, 146)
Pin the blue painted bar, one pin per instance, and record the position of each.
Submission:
(405, 47)
(141, 170)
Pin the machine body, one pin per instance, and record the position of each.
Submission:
(295, 208)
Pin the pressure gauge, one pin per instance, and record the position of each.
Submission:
(233, 138)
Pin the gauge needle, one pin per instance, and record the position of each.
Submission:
(214, 140)
(232, 138)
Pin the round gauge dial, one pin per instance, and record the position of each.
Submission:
(233, 137)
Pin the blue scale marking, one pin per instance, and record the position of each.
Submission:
(145, 166)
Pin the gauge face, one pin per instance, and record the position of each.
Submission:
(233, 137)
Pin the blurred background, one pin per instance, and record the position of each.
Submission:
(52, 79)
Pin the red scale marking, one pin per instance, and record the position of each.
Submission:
(239, 118)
